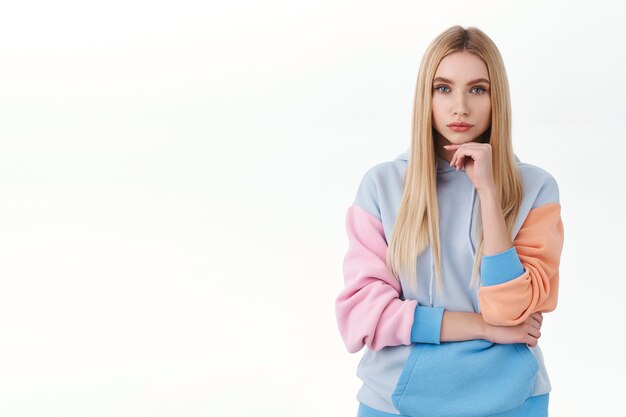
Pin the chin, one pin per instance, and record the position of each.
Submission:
(461, 141)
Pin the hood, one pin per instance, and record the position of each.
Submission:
(444, 166)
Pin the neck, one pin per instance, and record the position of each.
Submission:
(440, 151)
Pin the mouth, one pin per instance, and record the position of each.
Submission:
(460, 124)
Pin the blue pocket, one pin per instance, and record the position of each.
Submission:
(465, 379)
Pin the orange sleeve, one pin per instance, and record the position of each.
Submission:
(538, 245)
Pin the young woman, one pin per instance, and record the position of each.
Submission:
(454, 250)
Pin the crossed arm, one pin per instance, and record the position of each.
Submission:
(457, 326)
(370, 311)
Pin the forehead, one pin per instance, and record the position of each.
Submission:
(461, 66)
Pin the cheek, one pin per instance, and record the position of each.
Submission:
(436, 111)
(486, 111)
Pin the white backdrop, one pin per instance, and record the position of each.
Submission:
(174, 178)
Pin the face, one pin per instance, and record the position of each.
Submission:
(460, 94)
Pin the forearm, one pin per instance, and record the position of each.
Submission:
(458, 326)
(496, 236)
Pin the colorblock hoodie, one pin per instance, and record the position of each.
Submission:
(405, 368)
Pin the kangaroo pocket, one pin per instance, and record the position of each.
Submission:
(465, 379)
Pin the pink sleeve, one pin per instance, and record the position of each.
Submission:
(369, 309)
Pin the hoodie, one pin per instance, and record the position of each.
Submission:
(405, 368)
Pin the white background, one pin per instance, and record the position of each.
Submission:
(174, 178)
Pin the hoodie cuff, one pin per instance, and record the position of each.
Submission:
(427, 324)
(501, 267)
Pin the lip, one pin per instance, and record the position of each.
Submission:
(460, 124)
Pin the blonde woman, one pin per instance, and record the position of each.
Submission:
(454, 250)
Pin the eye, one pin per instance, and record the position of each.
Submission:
(480, 88)
(441, 86)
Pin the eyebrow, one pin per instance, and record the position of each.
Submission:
(445, 80)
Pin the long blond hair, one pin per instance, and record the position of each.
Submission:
(417, 222)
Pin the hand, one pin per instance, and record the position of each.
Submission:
(478, 165)
(525, 332)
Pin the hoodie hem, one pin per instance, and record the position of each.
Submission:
(536, 406)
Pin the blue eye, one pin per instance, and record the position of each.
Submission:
(483, 90)
(441, 86)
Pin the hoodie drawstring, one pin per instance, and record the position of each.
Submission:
(432, 274)
(471, 223)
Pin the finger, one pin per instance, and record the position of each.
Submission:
(467, 151)
(534, 322)
(453, 159)
(458, 158)
(532, 340)
(462, 160)
(455, 162)
(538, 317)
(450, 147)
(536, 333)
(467, 144)
(470, 150)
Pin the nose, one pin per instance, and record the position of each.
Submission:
(459, 106)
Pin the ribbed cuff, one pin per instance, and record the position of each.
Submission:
(427, 325)
(501, 267)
